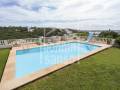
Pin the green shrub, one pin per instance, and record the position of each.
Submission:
(82, 34)
(108, 34)
(117, 42)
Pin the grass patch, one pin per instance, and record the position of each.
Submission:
(98, 72)
(3, 58)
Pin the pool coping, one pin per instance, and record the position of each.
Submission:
(9, 81)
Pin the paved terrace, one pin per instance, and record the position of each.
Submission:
(9, 81)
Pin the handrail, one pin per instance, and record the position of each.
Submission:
(12, 42)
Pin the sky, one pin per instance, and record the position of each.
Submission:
(76, 14)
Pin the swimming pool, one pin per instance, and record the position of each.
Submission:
(32, 60)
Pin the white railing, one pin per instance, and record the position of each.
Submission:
(97, 40)
(16, 42)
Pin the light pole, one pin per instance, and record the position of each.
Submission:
(44, 34)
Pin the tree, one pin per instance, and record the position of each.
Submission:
(108, 34)
(117, 42)
(82, 34)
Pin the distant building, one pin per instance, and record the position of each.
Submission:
(96, 33)
(30, 29)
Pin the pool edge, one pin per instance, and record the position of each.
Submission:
(14, 83)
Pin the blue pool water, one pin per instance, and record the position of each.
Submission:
(32, 60)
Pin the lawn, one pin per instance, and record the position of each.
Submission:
(98, 72)
(3, 58)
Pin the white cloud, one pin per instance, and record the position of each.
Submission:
(83, 14)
